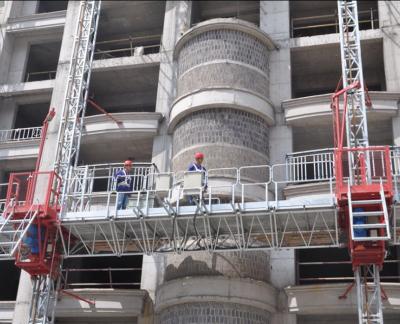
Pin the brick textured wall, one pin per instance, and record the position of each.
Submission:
(202, 62)
(204, 312)
(254, 265)
(222, 125)
(228, 138)
(223, 44)
(223, 75)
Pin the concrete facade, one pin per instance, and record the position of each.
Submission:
(224, 86)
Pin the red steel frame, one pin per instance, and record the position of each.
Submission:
(48, 258)
(362, 253)
(21, 191)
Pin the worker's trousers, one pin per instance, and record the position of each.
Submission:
(122, 200)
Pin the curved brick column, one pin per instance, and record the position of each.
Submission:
(208, 299)
(229, 138)
(213, 312)
(231, 128)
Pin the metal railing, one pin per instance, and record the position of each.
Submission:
(310, 166)
(345, 274)
(20, 134)
(94, 186)
(40, 76)
(109, 280)
(3, 197)
(222, 185)
(97, 182)
(300, 172)
(323, 24)
(127, 47)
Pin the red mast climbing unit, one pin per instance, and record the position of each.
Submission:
(37, 212)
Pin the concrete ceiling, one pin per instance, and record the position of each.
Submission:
(317, 70)
(121, 19)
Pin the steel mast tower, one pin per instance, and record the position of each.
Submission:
(362, 195)
(40, 205)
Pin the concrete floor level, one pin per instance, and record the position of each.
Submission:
(247, 83)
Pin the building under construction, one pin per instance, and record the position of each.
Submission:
(287, 225)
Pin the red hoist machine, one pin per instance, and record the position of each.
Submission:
(36, 199)
(364, 189)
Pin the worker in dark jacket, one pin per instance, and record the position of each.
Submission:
(124, 185)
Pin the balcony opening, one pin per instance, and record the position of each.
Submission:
(31, 115)
(311, 18)
(27, 124)
(50, 6)
(9, 284)
(321, 266)
(103, 272)
(131, 90)
(130, 96)
(304, 139)
(244, 10)
(42, 62)
(129, 28)
(317, 70)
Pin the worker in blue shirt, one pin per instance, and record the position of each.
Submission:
(197, 166)
(124, 185)
(30, 243)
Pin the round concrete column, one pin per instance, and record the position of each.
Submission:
(222, 106)
(225, 287)
(222, 109)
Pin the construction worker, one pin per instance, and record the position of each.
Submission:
(124, 185)
(197, 166)
(30, 244)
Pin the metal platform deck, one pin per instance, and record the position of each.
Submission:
(248, 226)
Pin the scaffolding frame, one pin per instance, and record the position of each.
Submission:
(73, 111)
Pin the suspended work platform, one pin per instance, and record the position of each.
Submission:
(226, 216)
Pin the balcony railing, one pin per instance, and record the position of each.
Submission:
(127, 47)
(102, 278)
(20, 134)
(40, 76)
(316, 165)
(328, 24)
(90, 183)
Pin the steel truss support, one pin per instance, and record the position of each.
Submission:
(369, 297)
(202, 229)
(352, 73)
(70, 132)
(43, 301)
(356, 115)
